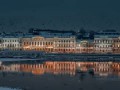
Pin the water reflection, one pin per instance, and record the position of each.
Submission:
(60, 75)
(63, 68)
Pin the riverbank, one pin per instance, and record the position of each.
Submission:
(37, 55)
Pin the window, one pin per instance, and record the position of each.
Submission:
(118, 46)
(40, 43)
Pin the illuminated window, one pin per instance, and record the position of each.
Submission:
(118, 46)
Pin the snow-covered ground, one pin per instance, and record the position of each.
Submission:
(16, 59)
(3, 88)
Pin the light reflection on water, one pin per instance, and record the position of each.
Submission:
(64, 75)
(63, 67)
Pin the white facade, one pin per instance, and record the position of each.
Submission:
(55, 44)
(103, 45)
(37, 43)
(11, 43)
(78, 47)
(0, 43)
(65, 44)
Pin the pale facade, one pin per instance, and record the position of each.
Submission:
(0, 43)
(65, 45)
(103, 45)
(11, 43)
(116, 45)
(38, 43)
(86, 46)
(78, 46)
(55, 44)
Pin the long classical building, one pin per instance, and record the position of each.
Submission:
(54, 44)
(103, 45)
(10, 43)
(67, 44)
(37, 43)
(116, 45)
(106, 41)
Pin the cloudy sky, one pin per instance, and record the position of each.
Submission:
(20, 15)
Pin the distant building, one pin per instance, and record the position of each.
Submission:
(38, 43)
(78, 46)
(0, 43)
(54, 44)
(86, 46)
(107, 33)
(50, 41)
(11, 43)
(55, 41)
(103, 41)
(65, 45)
(116, 45)
(103, 45)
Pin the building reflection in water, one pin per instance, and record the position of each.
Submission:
(64, 67)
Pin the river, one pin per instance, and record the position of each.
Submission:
(60, 75)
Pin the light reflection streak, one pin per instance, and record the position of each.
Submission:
(64, 67)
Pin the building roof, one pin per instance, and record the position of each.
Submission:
(52, 33)
(107, 33)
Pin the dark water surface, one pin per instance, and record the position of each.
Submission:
(60, 75)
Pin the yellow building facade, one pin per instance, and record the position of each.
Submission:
(55, 44)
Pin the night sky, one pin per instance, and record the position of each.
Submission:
(20, 15)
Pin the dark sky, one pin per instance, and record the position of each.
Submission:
(59, 14)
